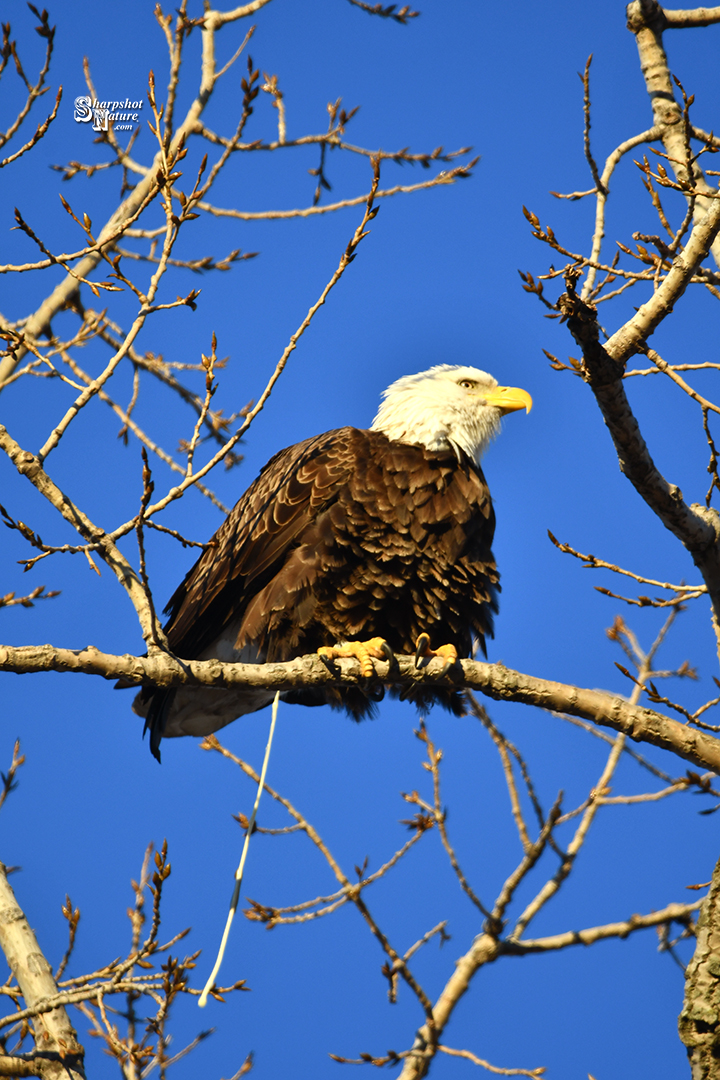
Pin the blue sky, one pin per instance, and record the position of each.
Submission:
(436, 281)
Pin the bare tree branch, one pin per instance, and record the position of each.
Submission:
(698, 527)
(55, 1038)
(671, 913)
(681, 20)
(492, 680)
(647, 20)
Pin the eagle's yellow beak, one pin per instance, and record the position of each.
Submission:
(508, 399)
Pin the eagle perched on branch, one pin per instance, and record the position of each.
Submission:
(353, 543)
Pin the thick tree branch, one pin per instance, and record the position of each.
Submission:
(698, 527)
(492, 680)
(486, 949)
(25, 1065)
(647, 20)
(698, 1023)
(631, 337)
(59, 1054)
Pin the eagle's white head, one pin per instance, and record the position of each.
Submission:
(448, 407)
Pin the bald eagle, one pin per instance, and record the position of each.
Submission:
(356, 542)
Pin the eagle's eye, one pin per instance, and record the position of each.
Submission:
(467, 384)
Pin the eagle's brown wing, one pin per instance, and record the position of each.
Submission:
(250, 546)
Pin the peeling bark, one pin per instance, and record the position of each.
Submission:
(699, 1023)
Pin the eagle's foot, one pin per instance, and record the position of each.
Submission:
(365, 652)
(423, 651)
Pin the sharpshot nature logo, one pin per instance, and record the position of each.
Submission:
(123, 115)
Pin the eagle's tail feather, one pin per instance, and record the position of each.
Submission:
(156, 718)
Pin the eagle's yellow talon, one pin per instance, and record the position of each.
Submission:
(423, 651)
(363, 651)
(449, 651)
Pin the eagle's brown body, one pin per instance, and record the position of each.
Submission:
(348, 535)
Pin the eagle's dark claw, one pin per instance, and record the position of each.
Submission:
(422, 648)
(327, 659)
(423, 651)
(449, 664)
(387, 650)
